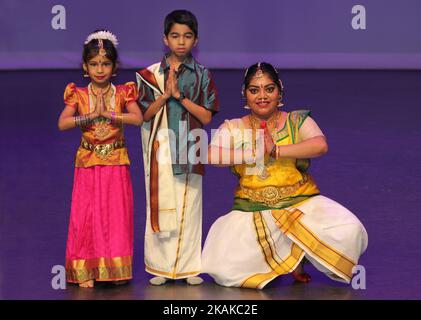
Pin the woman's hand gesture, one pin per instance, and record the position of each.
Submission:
(269, 145)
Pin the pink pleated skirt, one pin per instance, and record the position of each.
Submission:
(100, 238)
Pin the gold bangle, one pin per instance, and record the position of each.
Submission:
(117, 119)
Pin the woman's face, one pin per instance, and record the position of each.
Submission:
(262, 96)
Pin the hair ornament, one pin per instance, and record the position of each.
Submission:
(259, 72)
(102, 35)
(102, 51)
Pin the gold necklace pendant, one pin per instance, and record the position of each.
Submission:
(102, 131)
(102, 128)
(264, 173)
(271, 124)
(102, 125)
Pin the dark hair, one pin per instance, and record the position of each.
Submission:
(266, 68)
(91, 50)
(181, 17)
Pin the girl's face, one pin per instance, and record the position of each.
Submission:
(99, 69)
(262, 96)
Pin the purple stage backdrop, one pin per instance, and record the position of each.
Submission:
(233, 34)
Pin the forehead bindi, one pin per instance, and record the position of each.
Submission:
(100, 59)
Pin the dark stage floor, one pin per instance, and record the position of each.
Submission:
(373, 168)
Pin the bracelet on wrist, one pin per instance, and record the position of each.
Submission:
(181, 97)
(83, 120)
(273, 152)
(116, 118)
(277, 152)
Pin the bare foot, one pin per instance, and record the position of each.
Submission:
(87, 284)
(300, 275)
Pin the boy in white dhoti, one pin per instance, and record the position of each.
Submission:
(177, 95)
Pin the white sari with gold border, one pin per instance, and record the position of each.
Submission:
(249, 249)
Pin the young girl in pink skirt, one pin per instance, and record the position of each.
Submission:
(100, 238)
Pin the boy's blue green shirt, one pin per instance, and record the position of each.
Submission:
(196, 83)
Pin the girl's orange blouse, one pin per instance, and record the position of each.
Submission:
(101, 134)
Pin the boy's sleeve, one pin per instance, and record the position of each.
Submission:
(146, 95)
(209, 96)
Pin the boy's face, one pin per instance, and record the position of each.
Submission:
(180, 40)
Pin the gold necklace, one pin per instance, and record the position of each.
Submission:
(101, 125)
(104, 92)
(271, 123)
(107, 97)
(256, 123)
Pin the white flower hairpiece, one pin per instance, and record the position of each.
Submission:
(104, 35)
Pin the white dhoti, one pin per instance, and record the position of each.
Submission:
(249, 249)
(173, 232)
(177, 254)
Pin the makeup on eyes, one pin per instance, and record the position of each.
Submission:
(269, 88)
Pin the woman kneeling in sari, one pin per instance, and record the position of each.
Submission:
(279, 219)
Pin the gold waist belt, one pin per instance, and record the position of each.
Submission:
(102, 150)
(273, 195)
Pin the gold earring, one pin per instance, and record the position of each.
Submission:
(86, 75)
(244, 97)
(280, 104)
